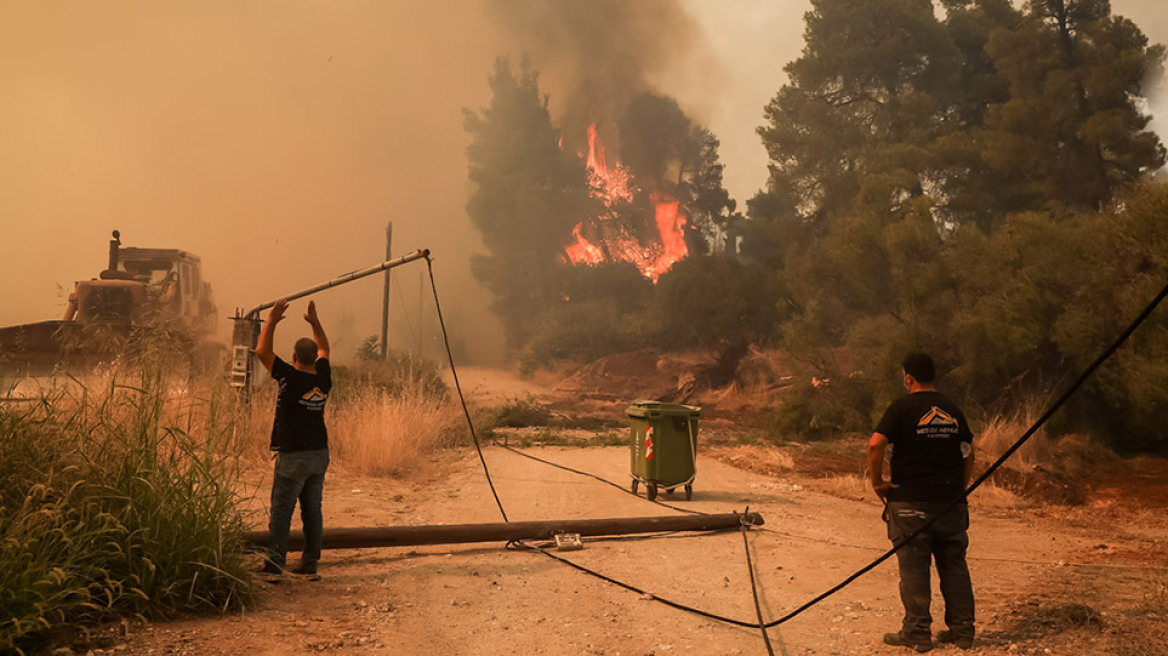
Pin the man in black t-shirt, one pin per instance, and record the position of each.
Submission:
(932, 461)
(299, 439)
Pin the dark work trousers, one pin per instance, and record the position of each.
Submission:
(298, 476)
(944, 542)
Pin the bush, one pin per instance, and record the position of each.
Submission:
(604, 310)
(519, 413)
(704, 301)
(114, 505)
(819, 409)
(400, 372)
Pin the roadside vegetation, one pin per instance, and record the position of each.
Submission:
(388, 415)
(120, 492)
(117, 501)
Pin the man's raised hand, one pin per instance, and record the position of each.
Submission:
(277, 312)
(310, 316)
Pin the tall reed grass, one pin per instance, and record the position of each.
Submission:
(117, 500)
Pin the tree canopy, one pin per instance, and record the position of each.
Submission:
(971, 184)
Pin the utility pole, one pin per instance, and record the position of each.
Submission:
(400, 536)
(385, 295)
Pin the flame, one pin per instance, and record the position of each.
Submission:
(671, 225)
(583, 251)
(613, 185)
(610, 186)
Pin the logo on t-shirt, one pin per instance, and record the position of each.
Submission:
(314, 400)
(937, 423)
(937, 417)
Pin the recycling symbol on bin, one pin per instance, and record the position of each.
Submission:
(648, 443)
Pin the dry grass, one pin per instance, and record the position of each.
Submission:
(1001, 433)
(991, 496)
(847, 486)
(378, 434)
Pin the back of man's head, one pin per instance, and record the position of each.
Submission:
(920, 366)
(305, 351)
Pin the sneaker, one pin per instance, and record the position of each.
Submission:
(899, 640)
(948, 637)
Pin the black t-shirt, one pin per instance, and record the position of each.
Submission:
(299, 424)
(927, 432)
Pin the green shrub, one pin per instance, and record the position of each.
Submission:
(115, 505)
(816, 411)
(519, 413)
(705, 301)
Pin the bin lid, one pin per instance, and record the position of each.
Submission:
(644, 408)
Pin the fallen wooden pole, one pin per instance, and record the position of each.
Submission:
(403, 536)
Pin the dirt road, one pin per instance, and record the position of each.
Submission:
(1048, 580)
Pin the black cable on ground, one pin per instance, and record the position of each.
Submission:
(594, 476)
(754, 588)
(523, 546)
(847, 581)
(1107, 353)
(519, 544)
(458, 387)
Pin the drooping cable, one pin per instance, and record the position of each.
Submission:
(458, 388)
(1107, 353)
(1086, 374)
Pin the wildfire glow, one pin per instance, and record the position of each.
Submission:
(612, 243)
(583, 251)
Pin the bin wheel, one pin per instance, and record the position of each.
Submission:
(635, 485)
(652, 488)
(668, 491)
(688, 491)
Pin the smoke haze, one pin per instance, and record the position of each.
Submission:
(275, 145)
(277, 140)
(596, 57)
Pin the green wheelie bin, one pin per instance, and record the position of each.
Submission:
(663, 440)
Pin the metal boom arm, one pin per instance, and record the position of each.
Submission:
(247, 324)
(340, 280)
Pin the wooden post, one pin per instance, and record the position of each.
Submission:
(385, 294)
(403, 536)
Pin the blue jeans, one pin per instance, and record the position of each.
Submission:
(945, 542)
(299, 475)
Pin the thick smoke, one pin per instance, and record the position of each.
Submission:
(595, 57)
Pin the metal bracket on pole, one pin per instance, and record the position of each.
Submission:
(247, 324)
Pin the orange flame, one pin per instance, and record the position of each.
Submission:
(616, 185)
(583, 251)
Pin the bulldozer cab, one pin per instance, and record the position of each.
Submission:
(173, 283)
(138, 287)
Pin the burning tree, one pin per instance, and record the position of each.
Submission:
(577, 238)
(527, 198)
(666, 193)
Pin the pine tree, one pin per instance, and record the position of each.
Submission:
(527, 198)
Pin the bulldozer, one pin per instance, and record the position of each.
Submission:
(142, 292)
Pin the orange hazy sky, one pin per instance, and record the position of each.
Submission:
(275, 140)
